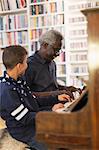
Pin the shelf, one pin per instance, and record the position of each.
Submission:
(79, 50)
(61, 75)
(60, 62)
(10, 12)
(50, 26)
(78, 37)
(45, 2)
(14, 30)
(48, 14)
(78, 62)
(79, 74)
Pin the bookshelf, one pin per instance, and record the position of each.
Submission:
(13, 28)
(13, 25)
(28, 19)
(77, 43)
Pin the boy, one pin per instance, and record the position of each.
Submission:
(17, 105)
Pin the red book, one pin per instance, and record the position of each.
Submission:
(22, 3)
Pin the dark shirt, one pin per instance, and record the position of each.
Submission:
(40, 74)
(19, 108)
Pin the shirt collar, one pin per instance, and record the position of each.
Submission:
(8, 78)
(39, 58)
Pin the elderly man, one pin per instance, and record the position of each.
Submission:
(41, 72)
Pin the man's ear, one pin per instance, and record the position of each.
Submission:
(45, 45)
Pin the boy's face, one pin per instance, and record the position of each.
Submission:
(22, 67)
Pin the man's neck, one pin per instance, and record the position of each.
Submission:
(43, 56)
(41, 53)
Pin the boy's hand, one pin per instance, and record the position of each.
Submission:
(57, 106)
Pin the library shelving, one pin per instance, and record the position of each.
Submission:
(76, 43)
(28, 19)
(13, 25)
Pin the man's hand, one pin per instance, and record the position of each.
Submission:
(64, 97)
(69, 90)
(57, 106)
(74, 89)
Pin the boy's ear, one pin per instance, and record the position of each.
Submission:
(18, 65)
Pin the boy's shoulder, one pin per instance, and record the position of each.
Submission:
(4, 84)
(2, 81)
(1, 78)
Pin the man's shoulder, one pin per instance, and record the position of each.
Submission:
(33, 58)
(35, 61)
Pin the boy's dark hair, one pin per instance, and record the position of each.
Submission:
(12, 55)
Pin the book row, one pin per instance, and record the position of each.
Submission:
(46, 8)
(61, 70)
(83, 5)
(12, 4)
(79, 68)
(78, 57)
(49, 20)
(10, 22)
(77, 19)
(78, 32)
(36, 33)
(78, 81)
(78, 45)
(11, 38)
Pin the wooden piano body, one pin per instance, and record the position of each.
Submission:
(77, 130)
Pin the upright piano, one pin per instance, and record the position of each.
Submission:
(78, 130)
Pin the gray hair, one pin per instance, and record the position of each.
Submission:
(50, 37)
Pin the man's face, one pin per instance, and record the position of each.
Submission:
(52, 51)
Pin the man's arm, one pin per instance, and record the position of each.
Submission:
(50, 93)
(29, 75)
(70, 90)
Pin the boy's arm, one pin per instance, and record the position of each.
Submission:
(16, 109)
(47, 101)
